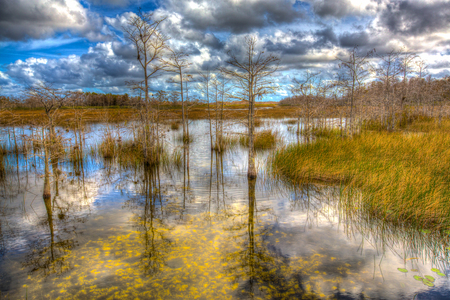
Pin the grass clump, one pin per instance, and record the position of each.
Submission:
(265, 139)
(108, 146)
(403, 177)
(130, 152)
(226, 142)
(185, 139)
(175, 125)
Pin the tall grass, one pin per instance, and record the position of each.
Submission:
(403, 177)
(264, 139)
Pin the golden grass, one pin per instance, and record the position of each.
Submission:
(403, 177)
(265, 139)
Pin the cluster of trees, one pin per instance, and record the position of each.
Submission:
(388, 87)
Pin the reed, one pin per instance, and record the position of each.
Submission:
(403, 177)
(264, 139)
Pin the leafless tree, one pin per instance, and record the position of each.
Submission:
(204, 87)
(354, 71)
(306, 89)
(387, 72)
(178, 62)
(150, 44)
(407, 67)
(252, 75)
(143, 32)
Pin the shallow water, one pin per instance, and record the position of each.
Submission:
(200, 230)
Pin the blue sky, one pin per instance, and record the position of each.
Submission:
(79, 44)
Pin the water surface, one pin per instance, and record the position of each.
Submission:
(198, 230)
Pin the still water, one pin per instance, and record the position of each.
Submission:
(198, 229)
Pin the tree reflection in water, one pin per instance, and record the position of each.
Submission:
(149, 220)
(258, 267)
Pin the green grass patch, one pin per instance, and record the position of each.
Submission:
(403, 177)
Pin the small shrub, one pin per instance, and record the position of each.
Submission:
(174, 125)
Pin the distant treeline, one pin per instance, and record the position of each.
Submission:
(412, 92)
(87, 99)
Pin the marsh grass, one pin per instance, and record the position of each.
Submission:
(175, 125)
(227, 142)
(264, 139)
(325, 132)
(186, 139)
(291, 122)
(403, 177)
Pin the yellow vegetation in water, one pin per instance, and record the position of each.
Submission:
(205, 258)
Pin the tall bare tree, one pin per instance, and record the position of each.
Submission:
(387, 72)
(150, 44)
(252, 75)
(143, 32)
(178, 62)
(354, 72)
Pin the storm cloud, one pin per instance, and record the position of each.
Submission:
(237, 16)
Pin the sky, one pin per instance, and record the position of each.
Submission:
(80, 44)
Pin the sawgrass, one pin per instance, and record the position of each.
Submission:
(404, 177)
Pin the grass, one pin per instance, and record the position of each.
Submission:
(129, 152)
(403, 177)
(265, 139)
(186, 139)
(227, 142)
(326, 132)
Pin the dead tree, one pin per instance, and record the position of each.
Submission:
(150, 44)
(354, 71)
(252, 76)
(177, 63)
(387, 72)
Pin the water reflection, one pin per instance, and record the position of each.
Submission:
(198, 229)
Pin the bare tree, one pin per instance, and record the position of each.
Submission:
(143, 32)
(354, 73)
(51, 99)
(204, 87)
(252, 75)
(305, 89)
(177, 62)
(387, 71)
(150, 44)
(406, 60)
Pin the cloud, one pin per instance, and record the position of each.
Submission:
(110, 2)
(237, 16)
(416, 17)
(100, 67)
(40, 19)
(343, 8)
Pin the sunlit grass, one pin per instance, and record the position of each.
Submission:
(404, 177)
(265, 139)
